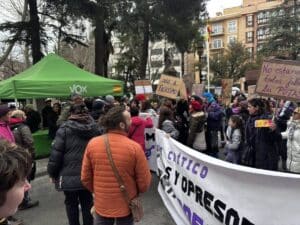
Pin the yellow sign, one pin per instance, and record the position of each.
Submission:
(263, 123)
(168, 86)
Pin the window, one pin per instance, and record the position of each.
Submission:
(217, 29)
(232, 39)
(232, 26)
(176, 62)
(250, 51)
(217, 43)
(249, 36)
(156, 63)
(249, 21)
(157, 51)
(263, 33)
(263, 17)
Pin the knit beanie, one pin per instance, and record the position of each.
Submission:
(196, 105)
(4, 109)
(109, 99)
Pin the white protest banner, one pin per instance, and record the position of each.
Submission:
(168, 86)
(280, 79)
(200, 190)
(143, 87)
(150, 143)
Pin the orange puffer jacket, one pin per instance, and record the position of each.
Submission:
(98, 177)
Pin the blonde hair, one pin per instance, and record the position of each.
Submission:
(18, 114)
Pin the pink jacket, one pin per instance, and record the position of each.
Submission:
(5, 132)
(137, 129)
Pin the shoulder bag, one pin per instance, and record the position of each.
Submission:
(135, 203)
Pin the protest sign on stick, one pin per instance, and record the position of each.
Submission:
(280, 79)
(143, 87)
(251, 92)
(168, 86)
(198, 89)
(227, 90)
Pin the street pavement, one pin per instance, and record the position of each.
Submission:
(51, 210)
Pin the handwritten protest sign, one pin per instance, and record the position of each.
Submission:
(251, 92)
(188, 80)
(227, 90)
(183, 91)
(143, 87)
(168, 86)
(198, 89)
(280, 79)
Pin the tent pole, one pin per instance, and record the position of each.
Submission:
(16, 102)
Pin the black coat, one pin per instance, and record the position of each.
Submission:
(33, 120)
(51, 121)
(67, 153)
(264, 144)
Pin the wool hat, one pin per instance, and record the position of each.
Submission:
(140, 97)
(196, 105)
(209, 97)
(48, 100)
(98, 104)
(4, 109)
(109, 99)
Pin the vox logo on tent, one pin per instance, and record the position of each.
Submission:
(79, 89)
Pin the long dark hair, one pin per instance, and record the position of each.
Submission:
(239, 124)
(256, 102)
(165, 113)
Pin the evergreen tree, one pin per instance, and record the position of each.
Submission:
(232, 64)
(284, 32)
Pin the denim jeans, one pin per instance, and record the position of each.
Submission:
(72, 200)
(100, 220)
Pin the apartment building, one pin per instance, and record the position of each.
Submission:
(247, 23)
(156, 58)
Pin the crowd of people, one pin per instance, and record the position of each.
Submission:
(86, 132)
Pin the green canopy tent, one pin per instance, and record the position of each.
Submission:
(55, 77)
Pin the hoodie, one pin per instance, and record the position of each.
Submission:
(5, 132)
(137, 129)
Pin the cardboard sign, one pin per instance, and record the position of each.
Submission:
(168, 86)
(280, 79)
(183, 91)
(143, 87)
(198, 89)
(227, 90)
(188, 80)
(263, 123)
(251, 92)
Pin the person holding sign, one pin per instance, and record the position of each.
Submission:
(260, 151)
(292, 134)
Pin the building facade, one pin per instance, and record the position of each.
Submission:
(247, 24)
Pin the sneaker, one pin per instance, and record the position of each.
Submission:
(28, 205)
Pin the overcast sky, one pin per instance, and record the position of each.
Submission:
(214, 6)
